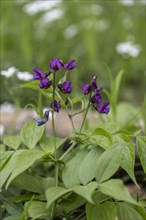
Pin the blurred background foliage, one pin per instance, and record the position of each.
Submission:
(33, 32)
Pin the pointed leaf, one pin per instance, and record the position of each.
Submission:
(116, 189)
(47, 144)
(127, 161)
(141, 146)
(108, 163)
(87, 168)
(101, 137)
(54, 193)
(70, 172)
(24, 161)
(104, 211)
(125, 211)
(31, 133)
(12, 141)
(86, 191)
(37, 210)
(8, 166)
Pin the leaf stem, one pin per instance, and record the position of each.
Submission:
(54, 131)
(54, 138)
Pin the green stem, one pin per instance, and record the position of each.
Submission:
(54, 131)
(85, 115)
(68, 150)
(54, 138)
(88, 106)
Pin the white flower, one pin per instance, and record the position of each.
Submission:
(50, 113)
(71, 31)
(24, 76)
(7, 107)
(2, 129)
(127, 2)
(8, 73)
(102, 25)
(128, 48)
(37, 6)
(53, 15)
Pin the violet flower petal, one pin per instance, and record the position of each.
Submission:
(65, 87)
(103, 108)
(70, 65)
(55, 64)
(86, 88)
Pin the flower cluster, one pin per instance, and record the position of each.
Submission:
(95, 96)
(55, 65)
(45, 83)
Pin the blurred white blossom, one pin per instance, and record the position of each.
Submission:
(38, 6)
(24, 76)
(7, 107)
(128, 48)
(70, 31)
(127, 2)
(52, 15)
(50, 113)
(2, 129)
(9, 72)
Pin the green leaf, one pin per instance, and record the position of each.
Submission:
(87, 168)
(47, 144)
(33, 185)
(8, 166)
(116, 189)
(127, 161)
(70, 172)
(24, 161)
(99, 197)
(12, 141)
(31, 85)
(12, 217)
(86, 191)
(31, 133)
(13, 208)
(110, 127)
(2, 148)
(72, 202)
(108, 163)
(37, 209)
(141, 146)
(54, 193)
(104, 211)
(125, 211)
(101, 137)
(4, 158)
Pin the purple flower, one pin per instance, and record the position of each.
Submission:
(45, 83)
(96, 99)
(103, 108)
(86, 88)
(56, 105)
(55, 64)
(39, 74)
(70, 65)
(94, 85)
(65, 87)
(42, 121)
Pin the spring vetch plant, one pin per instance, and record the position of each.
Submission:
(73, 177)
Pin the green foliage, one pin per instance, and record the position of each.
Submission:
(104, 211)
(31, 134)
(141, 146)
